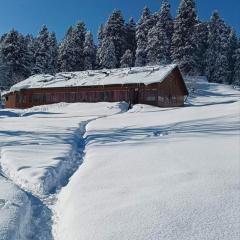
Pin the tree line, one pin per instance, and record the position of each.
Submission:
(210, 48)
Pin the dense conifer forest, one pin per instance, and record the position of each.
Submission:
(210, 48)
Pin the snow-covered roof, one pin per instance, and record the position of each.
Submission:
(145, 75)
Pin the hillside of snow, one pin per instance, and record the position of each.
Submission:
(98, 171)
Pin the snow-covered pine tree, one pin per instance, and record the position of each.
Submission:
(236, 77)
(53, 47)
(78, 38)
(160, 37)
(115, 32)
(143, 27)
(156, 49)
(89, 51)
(30, 41)
(217, 65)
(108, 55)
(101, 36)
(183, 48)
(166, 20)
(131, 36)
(14, 59)
(232, 47)
(127, 59)
(65, 61)
(41, 52)
(45, 48)
(70, 53)
(200, 38)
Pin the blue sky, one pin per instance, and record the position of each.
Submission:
(28, 16)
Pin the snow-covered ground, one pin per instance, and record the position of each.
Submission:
(39, 150)
(156, 173)
(147, 173)
(15, 208)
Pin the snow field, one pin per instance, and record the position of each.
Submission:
(155, 173)
(148, 173)
(40, 149)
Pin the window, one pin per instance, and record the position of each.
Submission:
(106, 96)
(72, 97)
(151, 98)
(78, 97)
(37, 98)
(48, 98)
(101, 96)
(150, 95)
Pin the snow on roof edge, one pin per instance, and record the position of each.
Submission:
(121, 76)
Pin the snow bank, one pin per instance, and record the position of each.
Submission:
(156, 173)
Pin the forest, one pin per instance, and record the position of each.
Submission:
(210, 48)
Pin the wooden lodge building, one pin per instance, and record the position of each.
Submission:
(161, 86)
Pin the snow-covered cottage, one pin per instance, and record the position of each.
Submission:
(161, 86)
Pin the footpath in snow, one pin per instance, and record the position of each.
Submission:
(40, 149)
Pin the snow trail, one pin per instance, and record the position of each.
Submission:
(41, 202)
(42, 206)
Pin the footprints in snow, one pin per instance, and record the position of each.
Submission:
(7, 204)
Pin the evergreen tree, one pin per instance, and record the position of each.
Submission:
(236, 77)
(127, 59)
(165, 17)
(14, 59)
(115, 32)
(218, 69)
(232, 47)
(89, 51)
(53, 47)
(143, 27)
(30, 41)
(108, 55)
(166, 22)
(200, 40)
(157, 52)
(65, 60)
(183, 47)
(41, 52)
(131, 37)
(101, 36)
(71, 50)
(78, 38)
(45, 52)
(160, 37)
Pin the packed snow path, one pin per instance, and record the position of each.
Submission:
(40, 149)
